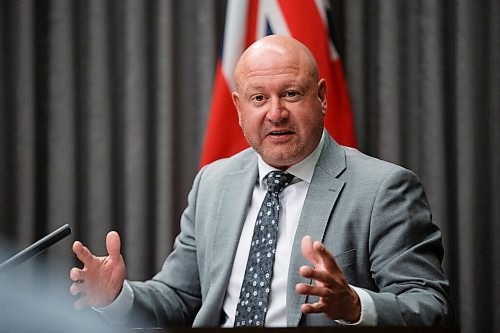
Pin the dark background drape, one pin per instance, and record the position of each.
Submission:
(103, 106)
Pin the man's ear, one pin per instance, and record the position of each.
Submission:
(322, 95)
(236, 101)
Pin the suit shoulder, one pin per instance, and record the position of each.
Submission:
(373, 167)
(230, 164)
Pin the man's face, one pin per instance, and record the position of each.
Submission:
(281, 108)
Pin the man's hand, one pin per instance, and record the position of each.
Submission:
(101, 279)
(337, 300)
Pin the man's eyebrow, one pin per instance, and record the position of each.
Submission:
(253, 88)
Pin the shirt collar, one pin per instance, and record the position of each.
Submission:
(303, 170)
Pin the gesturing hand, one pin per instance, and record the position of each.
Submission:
(337, 300)
(101, 279)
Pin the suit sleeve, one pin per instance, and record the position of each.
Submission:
(406, 253)
(172, 297)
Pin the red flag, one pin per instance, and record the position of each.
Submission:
(249, 20)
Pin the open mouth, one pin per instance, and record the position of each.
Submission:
(280, 133)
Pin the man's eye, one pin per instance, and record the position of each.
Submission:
(258, 98)
(291, 93)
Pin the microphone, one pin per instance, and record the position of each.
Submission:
(35, 248)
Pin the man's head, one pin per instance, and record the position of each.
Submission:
(280, 101)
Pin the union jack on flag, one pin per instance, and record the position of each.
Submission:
(249, 20)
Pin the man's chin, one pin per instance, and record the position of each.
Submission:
(280, 159)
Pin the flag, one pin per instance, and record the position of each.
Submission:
(249, 20)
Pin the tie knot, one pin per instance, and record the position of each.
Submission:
(277, 181)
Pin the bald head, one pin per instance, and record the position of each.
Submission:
(281, 103)
(277, 50)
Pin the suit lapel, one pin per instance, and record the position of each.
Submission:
(320, 200)
(233, 206)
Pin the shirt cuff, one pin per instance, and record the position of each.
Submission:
(368, 315)
(117, 312)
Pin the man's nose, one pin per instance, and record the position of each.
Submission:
(276, 112)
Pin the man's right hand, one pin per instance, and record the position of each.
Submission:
(101, 279)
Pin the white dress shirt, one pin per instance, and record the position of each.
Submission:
(291, 202)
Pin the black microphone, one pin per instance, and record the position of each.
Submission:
(35, 248)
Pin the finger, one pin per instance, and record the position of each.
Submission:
(319, 275)
(313, 308)
(308, 251)
(77, 247)
(76, 288)
(306, 271)
(307, 289)
(332, 279)
(302, 288)
(75, 274)
(318, 255)
(81, 303)
(325, 257)
(113, 243)
(82, 253)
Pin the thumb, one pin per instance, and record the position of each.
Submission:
(113, 243)
(308, 251)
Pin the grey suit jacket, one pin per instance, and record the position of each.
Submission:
(372, 215)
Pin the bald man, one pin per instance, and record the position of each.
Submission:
(354, 242)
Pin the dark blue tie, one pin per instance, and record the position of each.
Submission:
(252, 304)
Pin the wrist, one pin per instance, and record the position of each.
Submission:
(354, 314)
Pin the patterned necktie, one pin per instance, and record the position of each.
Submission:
(252, 304)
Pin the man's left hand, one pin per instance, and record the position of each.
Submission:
(337, 300)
